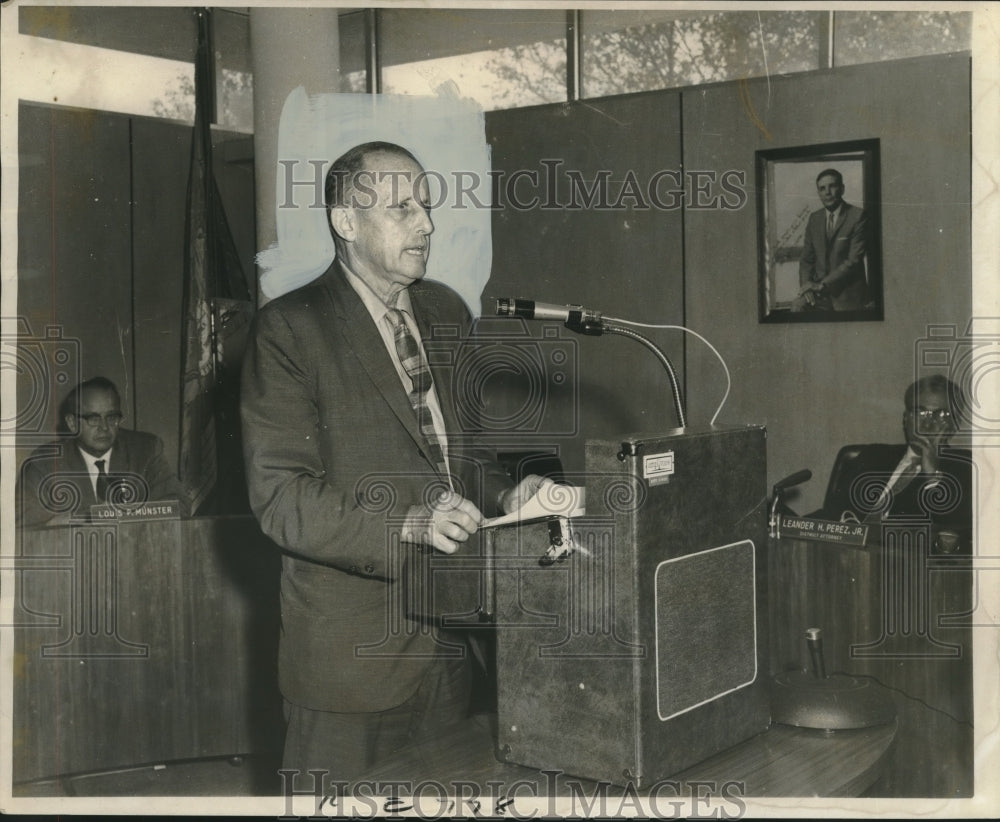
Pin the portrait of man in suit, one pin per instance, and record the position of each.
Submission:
(832, 273)
(96, 461)
(355, 460)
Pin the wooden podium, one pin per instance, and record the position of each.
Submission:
(644, 650)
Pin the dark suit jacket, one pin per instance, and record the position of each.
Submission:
(840, 260)
(862, 473)
(334, 460)
(54, 481)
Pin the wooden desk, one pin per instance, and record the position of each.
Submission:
(142, 643)
(899, 613)
(783, 761)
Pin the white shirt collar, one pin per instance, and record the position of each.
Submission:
(372, 301)
(91, 460)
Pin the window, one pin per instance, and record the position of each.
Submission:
(233, 69)
(129, 60)
(134, 60)
(870, 36)
(630, 51)
(351, 34)
(139, 59)
(500, 58)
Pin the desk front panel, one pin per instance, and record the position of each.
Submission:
(142, 643)
(897, 612)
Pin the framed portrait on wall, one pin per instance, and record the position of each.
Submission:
(819, 235)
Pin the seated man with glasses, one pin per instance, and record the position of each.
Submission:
(96, 461)
(924, 479)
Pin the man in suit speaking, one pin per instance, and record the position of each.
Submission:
(99, 462)
(355, 459)
(832, 265)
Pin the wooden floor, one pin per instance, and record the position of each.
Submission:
(784, 761)
(235, 776)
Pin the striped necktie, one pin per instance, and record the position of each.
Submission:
(412, 359)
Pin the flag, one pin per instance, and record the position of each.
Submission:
(196, 461)
(217, 306)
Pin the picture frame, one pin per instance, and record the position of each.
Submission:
(809, 271)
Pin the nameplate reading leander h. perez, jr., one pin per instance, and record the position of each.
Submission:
(845, 533)
(136, 511)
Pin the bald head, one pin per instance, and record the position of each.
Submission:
(378, 205)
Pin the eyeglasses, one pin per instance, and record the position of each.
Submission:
(94, 420)
(938, 414)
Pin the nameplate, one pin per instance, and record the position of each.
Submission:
(845, 533)
(136, 511)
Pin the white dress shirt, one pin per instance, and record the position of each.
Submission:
(909, 459)
(905, 462)
(91, 462)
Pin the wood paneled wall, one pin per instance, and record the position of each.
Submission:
(618, 257)
(818, 386)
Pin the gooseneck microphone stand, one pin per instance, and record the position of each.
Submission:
(595, 326)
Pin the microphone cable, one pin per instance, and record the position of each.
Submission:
(714, 350)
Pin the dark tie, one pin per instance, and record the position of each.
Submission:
(102, 481)
(830, 220)
(412, 359)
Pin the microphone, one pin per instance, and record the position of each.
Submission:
(792, 479)
(531, 310)
(584, 321)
